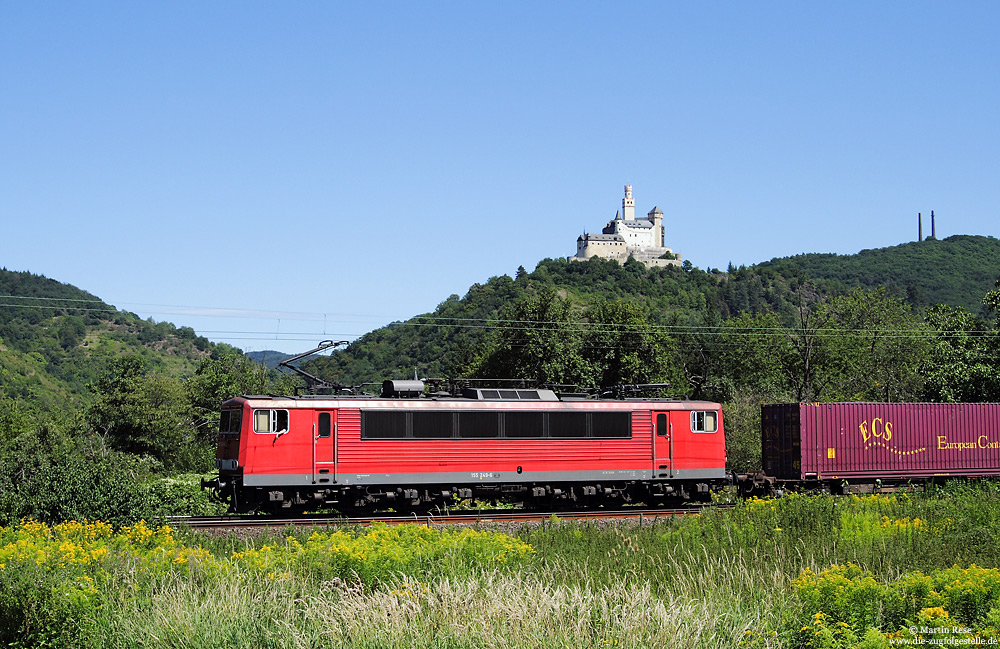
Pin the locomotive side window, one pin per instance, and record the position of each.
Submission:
(521, 425)
(383, 424)
(661, 425)
(270, 421)
(567, 424)
(432, 425)
(230, 421)
(704, 421)
(611, 424)
(478, 425)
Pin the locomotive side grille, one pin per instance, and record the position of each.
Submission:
(509, 395)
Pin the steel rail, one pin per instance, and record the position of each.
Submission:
(431, 519)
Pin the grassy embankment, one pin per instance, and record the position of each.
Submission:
(801, 571)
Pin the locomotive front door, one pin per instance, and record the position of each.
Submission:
(662, 445)
(324, 447)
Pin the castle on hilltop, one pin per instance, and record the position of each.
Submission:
(626, 236)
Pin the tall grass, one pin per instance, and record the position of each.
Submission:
(492, 609)
(799, 571)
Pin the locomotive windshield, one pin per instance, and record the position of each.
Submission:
(230, 421)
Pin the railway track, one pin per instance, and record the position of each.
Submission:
(442, 518)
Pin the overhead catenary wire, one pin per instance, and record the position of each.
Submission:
(481, 324)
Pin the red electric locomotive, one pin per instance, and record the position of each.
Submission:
(409, 450)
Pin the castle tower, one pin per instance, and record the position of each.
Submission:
(628, 204)
(655, 217)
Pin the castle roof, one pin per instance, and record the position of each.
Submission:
(600, 237)
(635, 224)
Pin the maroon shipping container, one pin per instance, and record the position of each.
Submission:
(887, 441)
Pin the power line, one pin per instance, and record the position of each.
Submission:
(60, 299)
(487, 324)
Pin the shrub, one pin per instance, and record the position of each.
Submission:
(842, 604)
(179, 495)
(383, 551)
(53, 476)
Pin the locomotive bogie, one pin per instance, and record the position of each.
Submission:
(349, 499)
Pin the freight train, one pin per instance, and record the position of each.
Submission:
(410, 449)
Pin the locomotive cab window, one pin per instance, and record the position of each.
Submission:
(270, 421)
(704, 421)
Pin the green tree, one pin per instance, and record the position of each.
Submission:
(749, 359)
(622, 346)
(218, 379)
(992, 303)
(755, 357)
(876, 348)
(807, 366)
(142, 412)
(535, 339)
(962, 362)
(15, 419)
(697, 345)
(71, 332)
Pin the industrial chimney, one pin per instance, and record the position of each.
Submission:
(920, 227)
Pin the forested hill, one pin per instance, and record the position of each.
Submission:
(55, 340)
(956, 271)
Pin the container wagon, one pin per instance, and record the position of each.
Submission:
(856, 447)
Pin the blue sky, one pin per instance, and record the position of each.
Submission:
(274, 174)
